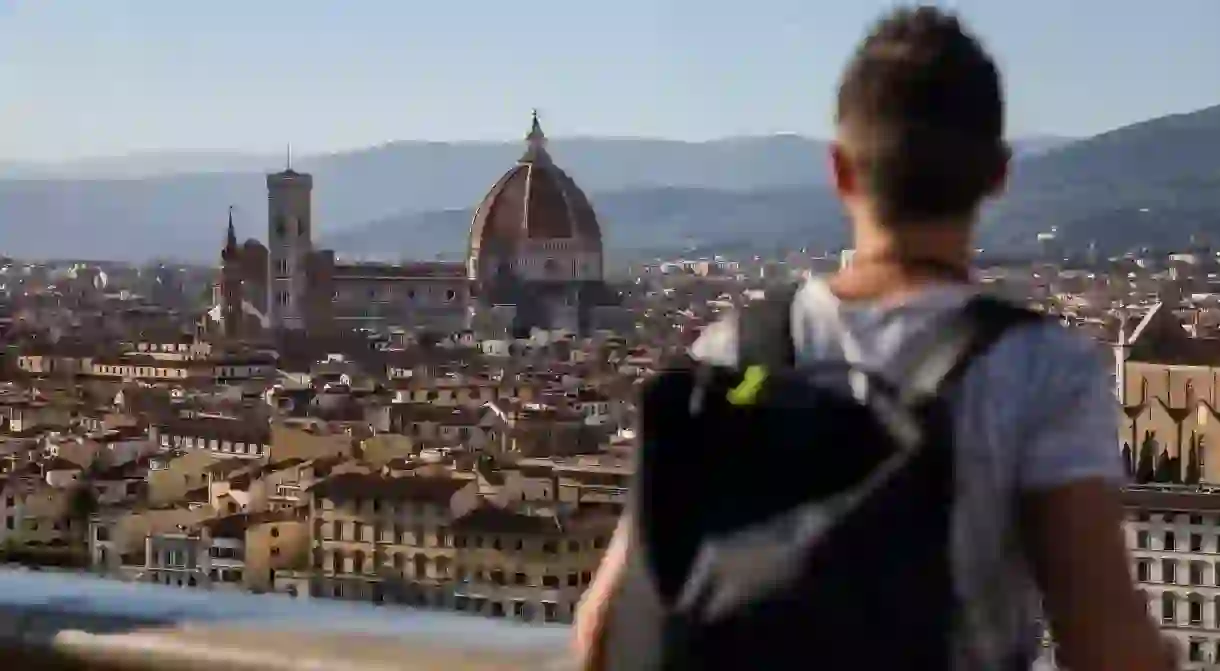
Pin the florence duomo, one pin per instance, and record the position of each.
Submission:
(534, 261)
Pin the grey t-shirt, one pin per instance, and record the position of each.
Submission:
(1036, 411)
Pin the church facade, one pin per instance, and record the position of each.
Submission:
(534, 260)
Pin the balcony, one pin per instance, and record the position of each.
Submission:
(62, 621)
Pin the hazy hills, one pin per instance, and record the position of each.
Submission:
(173, 204)
(1153, 183)
(413, 199)
(635, 221)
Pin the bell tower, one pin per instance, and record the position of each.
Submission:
(289, 227)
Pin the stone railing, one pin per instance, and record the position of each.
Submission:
(66, 621)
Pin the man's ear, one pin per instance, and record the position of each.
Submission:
(842, 172)
(999, 182)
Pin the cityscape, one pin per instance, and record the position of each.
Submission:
(433, 410)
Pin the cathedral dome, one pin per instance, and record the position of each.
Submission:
(534, 201)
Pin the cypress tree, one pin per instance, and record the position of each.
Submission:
(1146, 468)
(1193, 470)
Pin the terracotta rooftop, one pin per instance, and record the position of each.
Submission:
(348, 486)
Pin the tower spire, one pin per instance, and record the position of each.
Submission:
(230, 237)
(288, 157)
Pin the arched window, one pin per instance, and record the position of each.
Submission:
(358, 562)
(1195, 609)
(421, 565)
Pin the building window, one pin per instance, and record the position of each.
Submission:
(1195, 652)
(1197, 569)
(1171, 541)
(1169, 607)
(1169, 571)
(1195, 608)
(1141, 540)
(1196, 542)
(1143, 570)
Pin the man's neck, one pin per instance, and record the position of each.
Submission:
(895, 261)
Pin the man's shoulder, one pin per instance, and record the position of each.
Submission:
(717, 345)
(1051, 343)
(1056, 348)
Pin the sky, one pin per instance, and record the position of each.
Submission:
(85, 78)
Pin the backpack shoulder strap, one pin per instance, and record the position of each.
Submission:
(764, 330)
(969, 333)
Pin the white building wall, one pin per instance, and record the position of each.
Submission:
(1196, 542)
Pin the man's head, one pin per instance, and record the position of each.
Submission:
(920, 123)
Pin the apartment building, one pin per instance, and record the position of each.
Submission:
(431, 540)
(376, 538)
(1174, 537)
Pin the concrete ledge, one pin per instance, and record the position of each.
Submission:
(76, 622)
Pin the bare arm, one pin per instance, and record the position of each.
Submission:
(592, 612)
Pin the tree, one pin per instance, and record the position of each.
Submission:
(1145, 470)
(82, 503)
(1165, 468)
(1192, 463)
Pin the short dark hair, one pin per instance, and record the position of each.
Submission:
(921, 117)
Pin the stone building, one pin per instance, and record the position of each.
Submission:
(535, 255)
(1174, 538)
(1168, 385)
(430, 540)
(534, 261)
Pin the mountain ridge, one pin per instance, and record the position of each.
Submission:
(404, 199)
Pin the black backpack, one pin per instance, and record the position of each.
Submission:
(783, 521)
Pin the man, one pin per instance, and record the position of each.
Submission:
(919, 146)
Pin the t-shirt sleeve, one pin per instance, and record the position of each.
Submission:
(718, 343)
(1070, 429)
